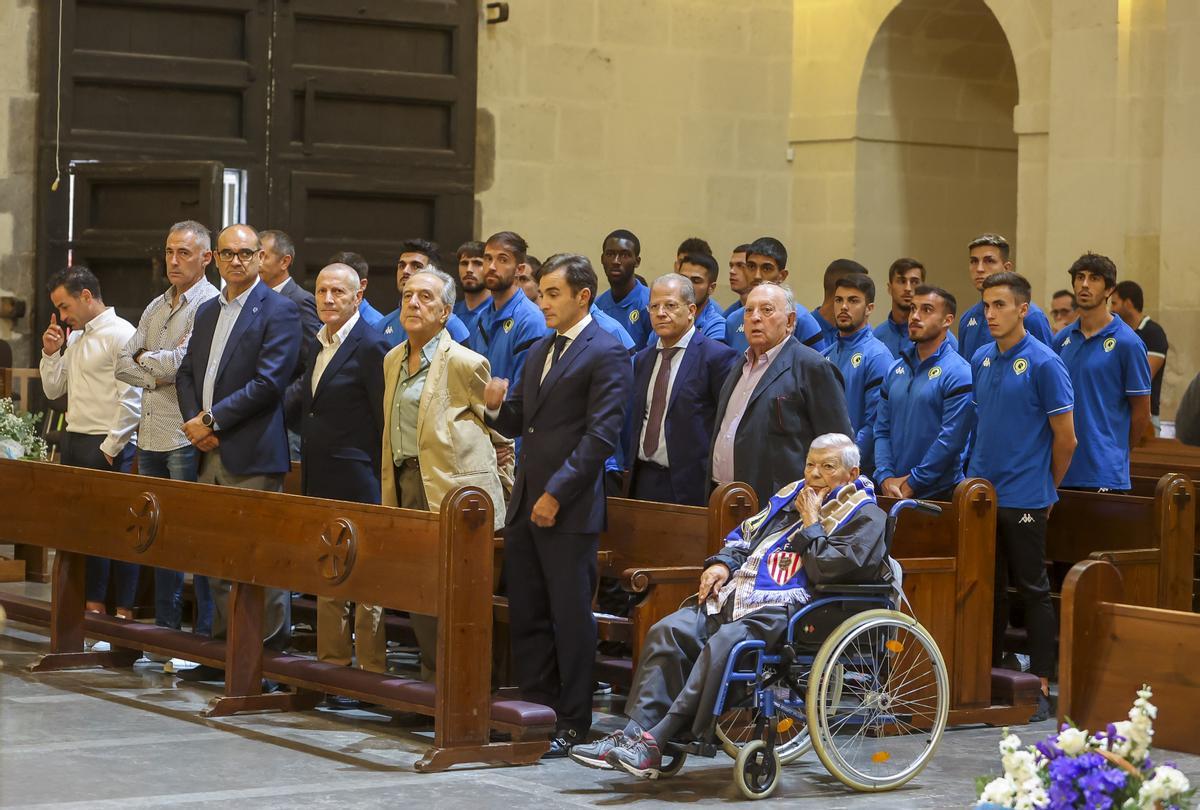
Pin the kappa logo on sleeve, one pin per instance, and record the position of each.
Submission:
(972, 322)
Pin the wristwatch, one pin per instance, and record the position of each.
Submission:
(206, 419)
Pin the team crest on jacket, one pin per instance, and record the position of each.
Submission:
(508, 325)
(1020, 365)
(935, 372)
(633, 316)
(856, 360)
(1110, 344)
(783, 565)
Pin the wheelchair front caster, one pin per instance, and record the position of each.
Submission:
(672, 761)
(757, 770)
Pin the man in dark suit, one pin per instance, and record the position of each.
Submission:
(338, 405)
(783, 396)
(279, 252)
(677, 381)
(568, 406)
(243, 352)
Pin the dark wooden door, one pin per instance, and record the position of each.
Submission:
(373, 134)
(353, 122)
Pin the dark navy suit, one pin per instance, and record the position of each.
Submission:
(687, 425)
(569, 424)
(342, 422)
(259, 360)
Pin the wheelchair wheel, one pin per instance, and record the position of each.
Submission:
(757, 770)
(878, 698)
(737, 727)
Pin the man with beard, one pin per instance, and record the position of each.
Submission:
(904, 276)
(627, 299)
(470, 277)
(416, 254)
(824, 314)
(862, 359)
(925, 410)
(1111, 378)
(504, 331)
(701, 270)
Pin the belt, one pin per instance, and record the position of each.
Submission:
(652, 465)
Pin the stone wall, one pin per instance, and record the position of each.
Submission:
(18, 163)
(667, 117)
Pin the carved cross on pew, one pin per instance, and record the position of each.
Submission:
(338, 548)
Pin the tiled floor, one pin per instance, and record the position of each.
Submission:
(133, 738)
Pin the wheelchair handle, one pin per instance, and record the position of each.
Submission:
(910, 503)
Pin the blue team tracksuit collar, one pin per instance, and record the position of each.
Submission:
(852, 340)
(509, 309)
(913, 360)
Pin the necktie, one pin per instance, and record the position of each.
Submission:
(658, 402)
(560, 344)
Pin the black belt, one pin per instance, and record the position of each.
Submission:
(653, 466)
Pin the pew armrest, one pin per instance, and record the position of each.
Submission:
(640, 580)
(1132, 555)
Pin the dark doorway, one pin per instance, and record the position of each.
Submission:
(351, 126)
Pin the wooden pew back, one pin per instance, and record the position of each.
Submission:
(405, 559)
(1108, 648)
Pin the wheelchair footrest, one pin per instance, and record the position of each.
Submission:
(697, 748)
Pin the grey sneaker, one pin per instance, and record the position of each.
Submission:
(637, 756)
(592, 755)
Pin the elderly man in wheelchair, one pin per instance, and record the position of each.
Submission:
(826, 528)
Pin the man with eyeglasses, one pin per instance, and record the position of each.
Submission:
(244, 348)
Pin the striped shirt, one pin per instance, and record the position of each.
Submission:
(162, 336)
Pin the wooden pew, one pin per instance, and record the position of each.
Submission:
(29, 562)
(1146, 486)
(1108, 648)
(405, 559)
(1155, 457)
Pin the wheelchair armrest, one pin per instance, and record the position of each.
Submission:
(833, 589)
(640, 580)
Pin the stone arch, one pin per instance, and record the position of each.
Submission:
(935, 147)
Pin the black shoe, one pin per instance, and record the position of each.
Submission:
(201, 673)
(561, 742)
(342, 703)
(1047, 708)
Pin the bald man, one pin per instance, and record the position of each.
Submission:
(232, 401)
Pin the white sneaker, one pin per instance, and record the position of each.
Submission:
(174, 665)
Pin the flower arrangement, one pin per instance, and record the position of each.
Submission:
(1109, 770)
(19, 434)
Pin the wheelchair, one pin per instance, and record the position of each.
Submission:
(855, 680)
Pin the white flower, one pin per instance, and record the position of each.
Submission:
(1020, 766)
(1072, 741)
(1164, 785)
(1000, 791)
(1009, 743)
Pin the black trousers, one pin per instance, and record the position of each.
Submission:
(652, 482)
(83, 450)
(1021, 561)
(551, 576)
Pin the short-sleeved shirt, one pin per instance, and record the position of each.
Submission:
(895, 337)
(504, 337)
(710, 320)
(1016, 393)
(973, 330)
(467, 315)
(632, 312)
(1106, 369)
(924, 420)
(1155, 339)
(807, 331)
(864, 363)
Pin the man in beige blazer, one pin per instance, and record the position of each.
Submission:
(434, 436)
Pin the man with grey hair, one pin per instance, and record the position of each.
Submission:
(434, 435)
(150, 361)
(337, 407)
(782, 397)
(825, 528)
(677, 380)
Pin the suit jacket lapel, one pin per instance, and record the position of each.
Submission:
(437, 367)
(249, 313)
(782, 362)
(569, 356)
(641, 389)
(348, 347)
(687, 364)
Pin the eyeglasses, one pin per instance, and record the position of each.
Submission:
(245, 254)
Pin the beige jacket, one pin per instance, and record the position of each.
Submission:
(454, 445)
